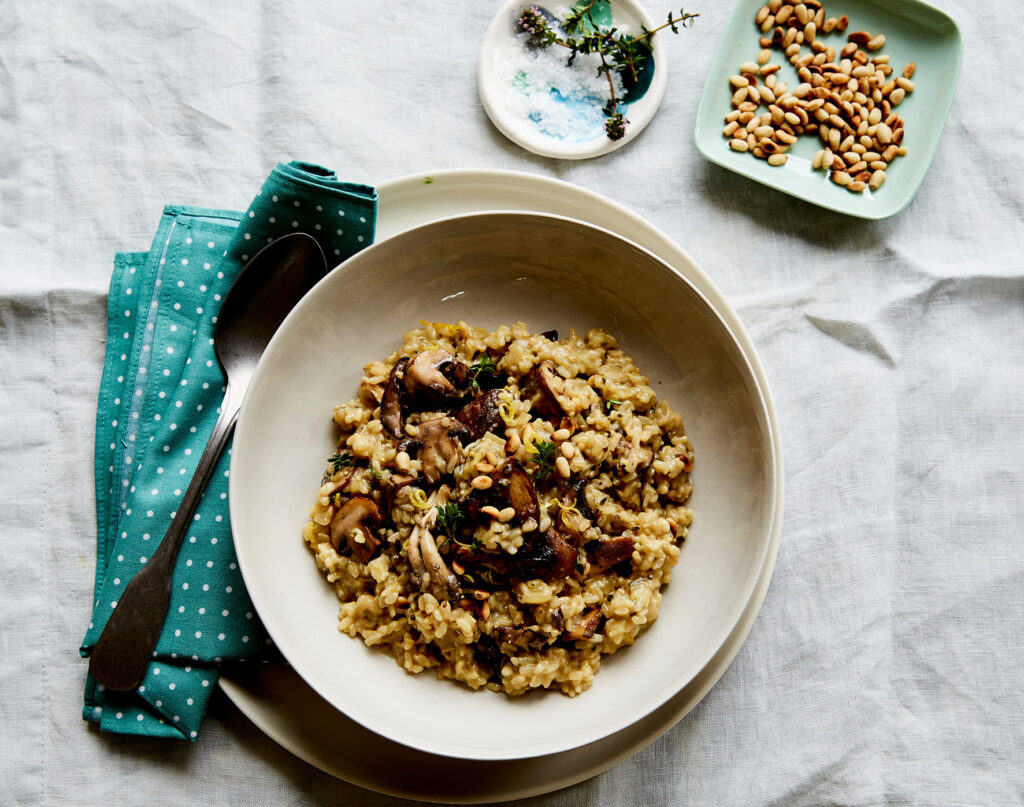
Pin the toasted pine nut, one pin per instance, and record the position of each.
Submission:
(568, 450)
(749, 67)
(562, 466)
(491, 511)
(481, 482)
(875, 42)
(484, 467)
(402, 461)
(905, 84)
(877, 178)
(856, 186)
(738, 145)
(909, 70)
(514, 442)
(777, 159)
(506, 514)
(764, 56)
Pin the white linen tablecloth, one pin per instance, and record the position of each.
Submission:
(887, 665)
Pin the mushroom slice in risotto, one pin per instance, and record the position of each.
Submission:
(353, 522)
(439, 451)
(428, 566)
(431, 373)
(391, 403)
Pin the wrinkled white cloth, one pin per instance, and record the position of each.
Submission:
(887, 664)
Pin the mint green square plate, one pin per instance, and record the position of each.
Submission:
(914, 32)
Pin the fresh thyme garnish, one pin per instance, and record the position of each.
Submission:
(610, 404)
(484, 364)
(339, 461)
(448, 517)
(618, 53)
(544, 456)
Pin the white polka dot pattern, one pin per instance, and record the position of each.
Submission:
(161, 373)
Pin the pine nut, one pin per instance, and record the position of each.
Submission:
(484, 467)
(562, 467)
(905, 84)
(514, 442)
(877, 178)
(764, 56)
(762, 14)
(883, 134)
(908, 71)
(896, 96)
(402, 461)
(491, 511)
(506, 515)
(842, 23)
(777, 159)
(568, 450)
(830, 25)
(856, 186)
(749, 67)
(818, 157)
(841, 178)
(810, 31)
(875, 42)
(482, 482)
(560, 435)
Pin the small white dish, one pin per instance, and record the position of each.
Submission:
(488, 269)
(531, 112)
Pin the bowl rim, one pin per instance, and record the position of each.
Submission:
(772, 448)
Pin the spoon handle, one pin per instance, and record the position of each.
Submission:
(123, 652)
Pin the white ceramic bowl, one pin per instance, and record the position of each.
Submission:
(487, 269)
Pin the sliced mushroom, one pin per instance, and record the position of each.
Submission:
(353, 523)
(427, 564)
(582, 627)
(549, 555)
(431, 373)
(631, 457)
(511, 486)
(549, 383)
(607, 552)
(575, 515)
(393, 485)
(391, 403)
(481, 415)
(439, 451)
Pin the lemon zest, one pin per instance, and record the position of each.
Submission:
(418, 499)
(506, 409)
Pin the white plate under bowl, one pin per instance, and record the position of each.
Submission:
(488, 269)
(497, 44)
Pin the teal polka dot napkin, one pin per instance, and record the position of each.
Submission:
(159, 398)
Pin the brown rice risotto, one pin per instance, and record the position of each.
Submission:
(504, 507)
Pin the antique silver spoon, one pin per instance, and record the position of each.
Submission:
(266, 290)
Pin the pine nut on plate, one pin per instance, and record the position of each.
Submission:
(864, 76)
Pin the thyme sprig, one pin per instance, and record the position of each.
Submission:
(448, 517)
(544, 457)
(339, 461)
(484, 364)
(619, 53)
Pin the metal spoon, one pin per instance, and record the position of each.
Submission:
(266, 290)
